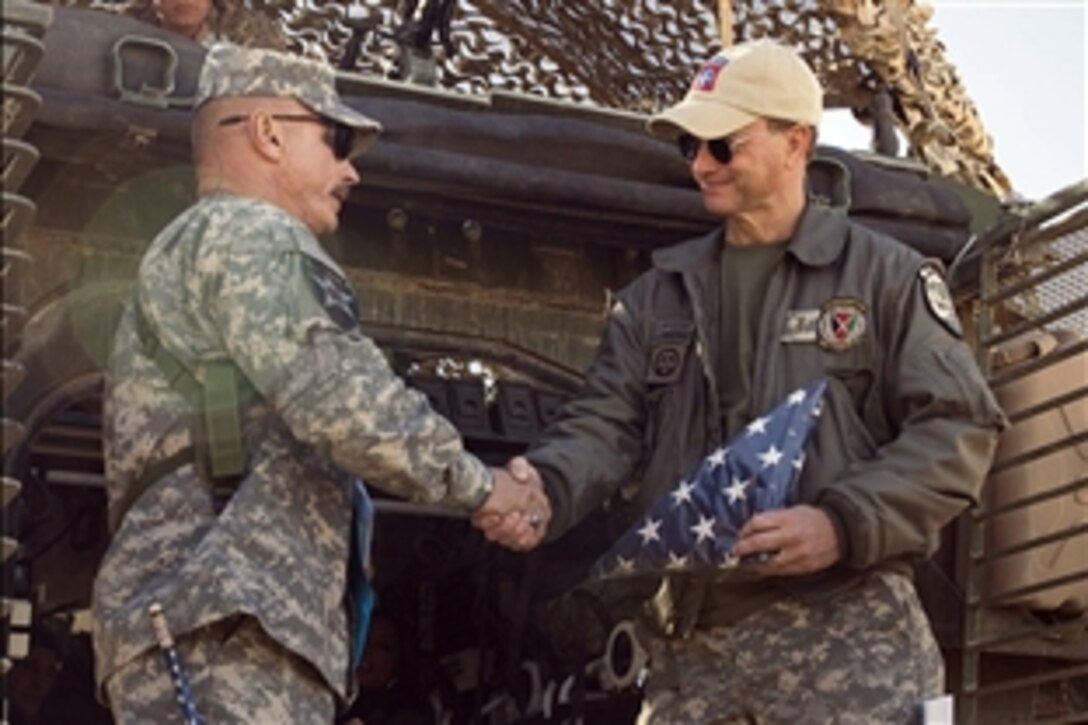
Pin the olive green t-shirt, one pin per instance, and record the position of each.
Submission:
(745, 272)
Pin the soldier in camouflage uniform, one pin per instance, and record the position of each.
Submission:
(829, 628)
(253, 584)
(213, 21)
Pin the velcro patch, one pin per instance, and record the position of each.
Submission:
(334, 294)
(939, 300)
(842, 323)
(668, 349)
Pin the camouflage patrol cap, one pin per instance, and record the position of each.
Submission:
(231, 71)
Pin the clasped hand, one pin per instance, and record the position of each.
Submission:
(517, 513)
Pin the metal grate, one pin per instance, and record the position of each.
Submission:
(1027, 573)
(1061, 291)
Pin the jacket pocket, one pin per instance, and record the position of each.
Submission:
(855, 440)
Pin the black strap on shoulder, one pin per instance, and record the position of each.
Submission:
(215, 424)
(154, 472)
(176, 373)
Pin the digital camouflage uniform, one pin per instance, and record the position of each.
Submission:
(237, 279)
(905, 439)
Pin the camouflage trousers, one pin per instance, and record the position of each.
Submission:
(864, 656)
(237, 675)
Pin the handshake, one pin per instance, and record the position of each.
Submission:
(517, 512)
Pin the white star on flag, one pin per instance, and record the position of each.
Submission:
(799, 462)
(729, 562)
(682, 494)
(694, 525)
(625, 566)
(770, 457)
(759, 425)
(735, 491)
(649, 532)
(796, 397)
(703, 530)
(677, 561)
(717, 458)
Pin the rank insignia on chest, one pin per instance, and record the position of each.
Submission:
(334, 295)
(800, 326)
(841, 324)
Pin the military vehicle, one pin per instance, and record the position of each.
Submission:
(513, 190)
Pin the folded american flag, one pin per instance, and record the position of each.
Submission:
(695, 526)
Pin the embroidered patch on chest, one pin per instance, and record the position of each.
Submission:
(842, 323)
(665, 360)
(334, 295)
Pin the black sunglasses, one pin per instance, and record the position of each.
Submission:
(720, 148)
(340, 136)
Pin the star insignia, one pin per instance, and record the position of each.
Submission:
(796, 397)
(334, 295)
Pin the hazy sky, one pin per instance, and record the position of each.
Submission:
(1023, 63)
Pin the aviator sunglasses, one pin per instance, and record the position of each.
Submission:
(720, 148)
(339, 136)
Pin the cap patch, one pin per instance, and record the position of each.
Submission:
(842, 323)
(707, 76)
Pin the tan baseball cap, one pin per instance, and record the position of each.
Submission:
(231, 71)
(747, 81)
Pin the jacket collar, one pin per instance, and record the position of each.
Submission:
(820, 236)
(817, 242)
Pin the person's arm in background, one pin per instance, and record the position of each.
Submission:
(597, 439)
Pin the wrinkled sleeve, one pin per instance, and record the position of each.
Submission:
(896, 502)
(596, 441)
(333, 387)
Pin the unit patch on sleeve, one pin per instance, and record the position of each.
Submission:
(939, 300)
(842, 323)
(334, 295)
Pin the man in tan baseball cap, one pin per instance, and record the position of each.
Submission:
(814, 600)
(759, 93)
(740, 85)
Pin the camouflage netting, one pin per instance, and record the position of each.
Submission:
(640, 55)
